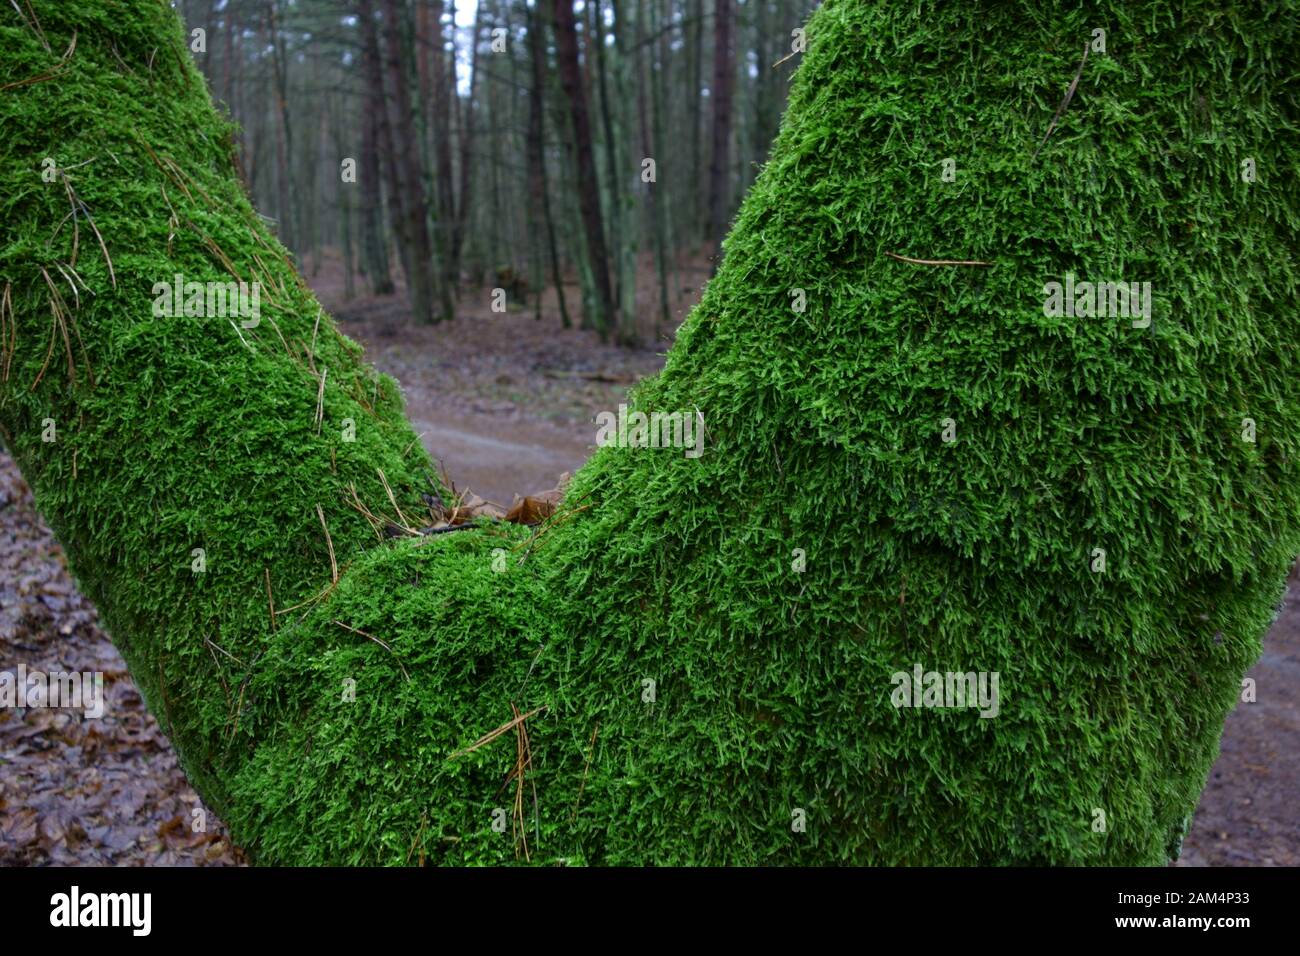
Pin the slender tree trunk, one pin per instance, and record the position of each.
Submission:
(695, 75)
(444, 92)
(588, 197)
(720, 162)
(228, 68)
(346, 203)
(374, 243)
(611, 208)
(653, 148)
(407, 160)
(466, 148)
(627, 242)
(537, 144)
(284, 141)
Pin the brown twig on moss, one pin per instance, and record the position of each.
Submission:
(59, 326)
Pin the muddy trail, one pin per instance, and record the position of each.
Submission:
(505, 402)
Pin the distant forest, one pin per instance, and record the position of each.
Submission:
(505, 144)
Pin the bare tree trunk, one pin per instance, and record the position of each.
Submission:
(338, 115)
(653, 149)
(444, 92)
(621, 200)
(466, 146)
(406, 159)
(694, 73)
(228, 68)
(374, 243)
(720, 163)
(566, 42)
(284, 141)
(537, 150)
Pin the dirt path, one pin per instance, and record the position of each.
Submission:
(1250, 811)
(499, 462)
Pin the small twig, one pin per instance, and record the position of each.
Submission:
(416, 839)
(523, 757)
(58, 67)
(938, 262)
(376, 525)
(412, 442)
(1069, 95)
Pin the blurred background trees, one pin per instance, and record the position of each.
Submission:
(503, 144)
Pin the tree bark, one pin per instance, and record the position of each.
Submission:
(720, 158)
(589, 195)
(404, 159)
(537, 150)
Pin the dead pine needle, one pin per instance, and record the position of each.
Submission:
(1060, 110)
(406, 525)
(334, 568)
(383, 644)
(591, 750)
(938, 262)
(270, 601)
(8, 331)
(492, 735)
(320, 400)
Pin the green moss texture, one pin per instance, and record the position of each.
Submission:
(706, 646)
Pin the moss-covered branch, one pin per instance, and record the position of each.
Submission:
(707, 646)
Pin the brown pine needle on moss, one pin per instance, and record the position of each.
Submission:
(492, 735)
(329, 542)
(938, 262)
(1060, 110)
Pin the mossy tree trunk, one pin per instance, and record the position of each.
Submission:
(698, 660)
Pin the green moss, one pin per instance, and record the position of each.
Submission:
(771, 686)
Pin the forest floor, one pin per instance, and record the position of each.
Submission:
(506, 402)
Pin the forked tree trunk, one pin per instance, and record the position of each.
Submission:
(745, 641)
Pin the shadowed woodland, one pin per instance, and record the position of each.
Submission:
(504, 145)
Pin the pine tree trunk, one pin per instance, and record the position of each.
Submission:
(537, 19)
(584, 162)
(720, 157)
